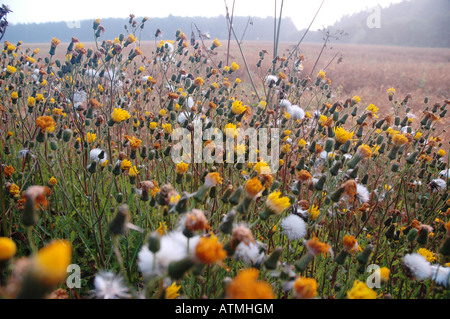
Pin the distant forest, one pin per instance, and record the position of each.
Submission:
(419, 23)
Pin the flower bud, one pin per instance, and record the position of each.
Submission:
(423, 236)
(30, 216)
(67, 135)
(390, 232)
(182, 205)
(354, 173)
(237, 195)
(320, 183)
(226, 226)
(445, 248)
(275, 185)
(226, 195)
(302, 264)
(412, 158)
(91, 167)
(154, 243)
(329, 145)
(340, 259)
(345, 148)
(177, 269)
(363, 257)
(336, 196)
(335, 169)
(395, 167)
(272, 261)
(117, 226)
(412, 235)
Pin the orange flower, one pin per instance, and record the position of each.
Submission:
(7, 248)
(173, 96)
(212, 179)
(304, 175)
(181, 168)
(305, 288)
(199, 81)
(447, 228)
(416, 224)
(350, 243)
(316, 247)
(209, 250)
(46, 123)
(253, 187)
(38, 195)
(8, 171)
(246, 286)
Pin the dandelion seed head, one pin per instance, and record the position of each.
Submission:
(110, 286)
(418, 265)
(440, 275)
(293, 227)
(362, 193)
(249, 254)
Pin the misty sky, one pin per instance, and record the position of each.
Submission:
(300, 11)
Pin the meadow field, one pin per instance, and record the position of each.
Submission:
(365, 70)
(99, 201)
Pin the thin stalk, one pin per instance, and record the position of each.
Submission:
(306, 31)
(245, 62)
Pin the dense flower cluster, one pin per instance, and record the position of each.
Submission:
(88, 142)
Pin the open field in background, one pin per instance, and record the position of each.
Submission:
(365, 70)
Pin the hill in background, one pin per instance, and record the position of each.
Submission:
(419, 23)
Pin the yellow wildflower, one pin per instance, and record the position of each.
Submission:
(314, 212)
(120, 115)
(427, 254)
(277, 204)
(8, 248)
(125, 164)
(50, 264)
(172, 291)
(181, 168)
(91, 137)
(361, 291)
(234, 66)
(341, 135)
(238, 107)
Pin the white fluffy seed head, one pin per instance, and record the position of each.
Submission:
(285, 103)
(250, 254)
(362, 193)
(418, 265)
(440, 275)
(173, 247)
(109, 286)
(94, 153)
(271, 78)
(437, 184)
(445, 174)
(293, 227)
(296, 112)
